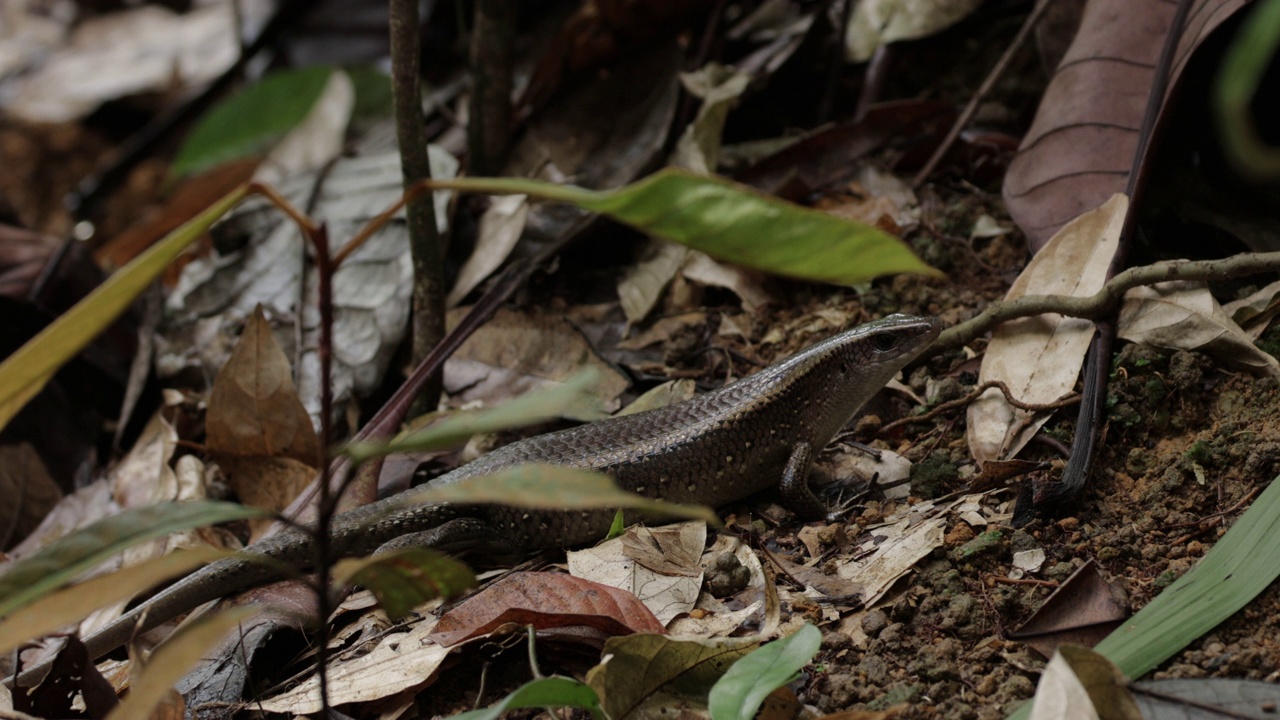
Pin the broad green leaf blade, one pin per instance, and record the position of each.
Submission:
(743, 688)
(61, 560)
(644, 671)
(250, 121)
(551, 487)
(732, 222)
(24, 373)
(404, 579)
(173, 659)
(71, 604)
(544, 692)
(1243, 563)
(535, 407)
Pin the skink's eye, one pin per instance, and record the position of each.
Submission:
(884, 342)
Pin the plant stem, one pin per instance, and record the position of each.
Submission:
(424, 240)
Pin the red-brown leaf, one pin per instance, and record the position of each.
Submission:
(546, 600)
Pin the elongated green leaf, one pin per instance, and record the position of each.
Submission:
(61, 560)
(732, 222)
(250, 121)
(645, 670)
(1243, 563)
(404, 579)
(24, 373)
(552, 487)
(544, 692)
(71, 604)
(535, 407)
(1243, 67)
(743, 688)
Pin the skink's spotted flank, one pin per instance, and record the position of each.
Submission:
(713, 449)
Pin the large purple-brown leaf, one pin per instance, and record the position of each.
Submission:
(1080, 148)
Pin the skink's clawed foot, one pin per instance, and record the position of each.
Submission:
(842, 497)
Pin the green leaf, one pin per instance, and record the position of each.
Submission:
(249, 122)
(1243, 563)
(739, 694)
(544, 692)
(535, 407)
(646, 671)
(732, 222)
(24, 373)
(404, 579)
(551, 487)
(618, 527)
(1244, 64)
(61, 560)
(373, 92)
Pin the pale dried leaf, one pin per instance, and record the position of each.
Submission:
(879, 22)
(518, 352)
(1184, 316)
(1039, 358)
(1255, 312)
(749, 285)
(500, 230)
(318, 139)
(641, 287)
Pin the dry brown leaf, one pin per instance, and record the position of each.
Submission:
(253, 407)
(1184, 316)
(546, 600)
(1039, 358)
(31, 493)
(518, 352)
(1079, 149)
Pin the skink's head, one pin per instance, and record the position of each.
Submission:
(837, 376)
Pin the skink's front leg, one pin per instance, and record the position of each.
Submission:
(796, 493)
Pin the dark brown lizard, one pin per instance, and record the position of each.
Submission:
(713, 449)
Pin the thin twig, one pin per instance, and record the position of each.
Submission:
(973, 395)
(1104, 302)
(994, 76)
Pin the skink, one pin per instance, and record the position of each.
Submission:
(714, 449)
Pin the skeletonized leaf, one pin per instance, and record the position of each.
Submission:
(1184, 316)
(1040, 357)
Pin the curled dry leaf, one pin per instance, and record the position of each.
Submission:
(1184, 316)
(1039, 358)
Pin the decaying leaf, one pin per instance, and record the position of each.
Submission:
(1184, 316)
(667, 579)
